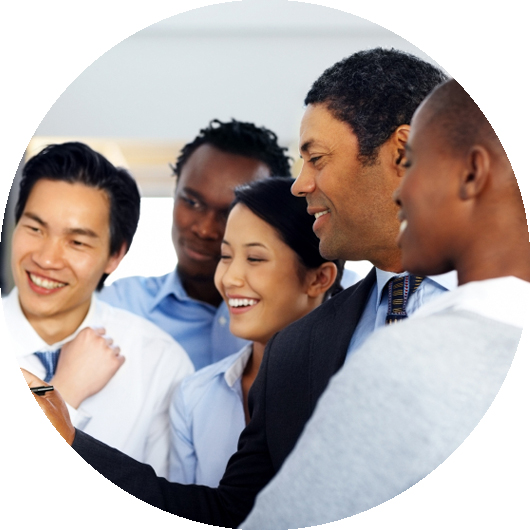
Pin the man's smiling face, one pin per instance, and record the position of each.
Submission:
(351, 201)
(428, 197)
(60, 250)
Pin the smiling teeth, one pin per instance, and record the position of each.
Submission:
(320, 214)
(239, 302)
(402, 226)
(47, 284)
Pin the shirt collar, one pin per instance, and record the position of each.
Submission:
(26, 337)
(172, 286)
(502, 299)
(234, 373)
(448, 280)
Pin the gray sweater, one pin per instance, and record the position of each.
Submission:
(399, 407)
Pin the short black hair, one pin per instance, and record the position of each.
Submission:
(75, 162)
(459, 119)
(271, 200)
(240, 138)
(375, 91)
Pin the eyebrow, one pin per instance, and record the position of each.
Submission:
(35, 218)
(82, 232)
(225, 242)
(255, 245)
(196, 194)
(306, 145)
(70, 231)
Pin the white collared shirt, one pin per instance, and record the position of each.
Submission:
(503, 299)
(131, 412)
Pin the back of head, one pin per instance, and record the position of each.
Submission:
(243, 139)
(271, 200)
(462, 126)
(375, 91)
(459, 120)
(75, 162)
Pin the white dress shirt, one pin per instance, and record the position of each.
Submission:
(501, 299)
(131, 413)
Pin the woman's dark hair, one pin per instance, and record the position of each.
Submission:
(271, 200)
(75, 162)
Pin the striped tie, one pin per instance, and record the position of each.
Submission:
(49, 361)
(399, 290)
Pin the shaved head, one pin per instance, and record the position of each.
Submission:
(459, 201)
(459, 120)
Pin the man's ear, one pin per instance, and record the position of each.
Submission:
(399, 139)
(321, 279)
(115, 259)
(476, 172)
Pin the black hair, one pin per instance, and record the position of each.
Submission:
(271, 200)
(75, 162)
(239, 138)
(375, 91)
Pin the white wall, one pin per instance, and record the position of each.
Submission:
(252, 60)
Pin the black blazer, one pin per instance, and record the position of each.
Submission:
(296, 368)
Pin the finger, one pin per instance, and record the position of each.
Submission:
(99, 330)
(108, 340)
(32, 380)
(116, 350)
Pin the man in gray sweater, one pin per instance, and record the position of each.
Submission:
(414, 391)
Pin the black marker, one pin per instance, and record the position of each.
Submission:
(41, 390)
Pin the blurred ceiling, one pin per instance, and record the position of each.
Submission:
(253, 61)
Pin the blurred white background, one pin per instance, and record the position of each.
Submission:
(144, 98)
(47, 44)
(148, 95)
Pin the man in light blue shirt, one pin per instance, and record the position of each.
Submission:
(376, 308)
(185, 302)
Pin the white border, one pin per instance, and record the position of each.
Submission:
(45, 45)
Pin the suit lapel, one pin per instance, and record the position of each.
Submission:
(331, 335)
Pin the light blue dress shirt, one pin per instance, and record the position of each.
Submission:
(207, 417)
(201, 329)
(376, 308)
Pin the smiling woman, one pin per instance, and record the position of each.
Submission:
(270, 274)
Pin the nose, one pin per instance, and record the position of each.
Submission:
(304, 183)
(49, 255)
(233, 275)
(209, 226)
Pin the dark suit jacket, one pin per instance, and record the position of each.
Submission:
(296, 368)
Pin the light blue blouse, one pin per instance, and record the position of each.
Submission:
(207, 417)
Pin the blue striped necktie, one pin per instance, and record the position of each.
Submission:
(399, 290)
(49, 361)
